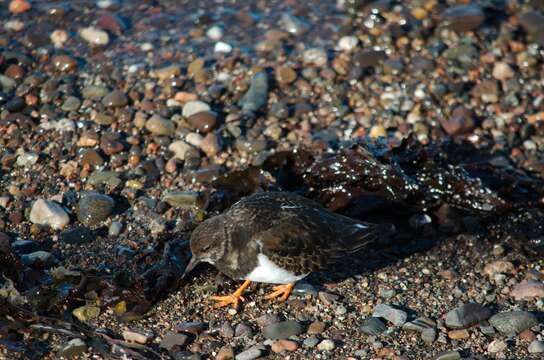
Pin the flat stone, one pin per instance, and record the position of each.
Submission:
(497, 346)
(257, 94)
(282, 330)
(280, 346)
(94, 208)
(448, 355)
(73, 349)
(179, 148)
(37, 258)
(192, 327)
(498, 267)
(390, 313)
(94, 36)
(225, 353)
(467, 315)
(464, 17)
(326, 345)
(172, 339)
(203, 121)
(536, 347)
(115, 98)
(513, 322)
(47, 212)
(158, 125)
(194, 107)
(372, 326)
(183, 199)
(528, 289)
(250, 354)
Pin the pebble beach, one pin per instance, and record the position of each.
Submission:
(124, 124)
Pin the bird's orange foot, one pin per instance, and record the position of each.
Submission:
(281, 290)
(234, 299)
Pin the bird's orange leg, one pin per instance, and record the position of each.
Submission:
(281, 290)
(233, 299)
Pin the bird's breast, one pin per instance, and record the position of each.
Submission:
(267, 271)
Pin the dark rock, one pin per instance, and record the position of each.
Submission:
(282, 330)
(464, 17)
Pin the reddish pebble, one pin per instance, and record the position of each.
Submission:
(284, 345)
(459, 334)
(19, 6)
(527, 335)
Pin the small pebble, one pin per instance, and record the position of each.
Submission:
(95, 36)
(47, 212)
(536, 347)
(326, 345)
(396, 316)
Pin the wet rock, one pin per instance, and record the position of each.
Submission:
(23, 246)
(204, 121)
(192, 327)
(64, 63)
(172, 339)
(461, 121)
(253, 352)
(463, 53)
(528, 289)
(304, 288)
(168, 72)
(19, 6)
(71, 103)
(372, 326)
(47, 212)
(194, 107)
(158, 125)
(183, 199)
(467, 315)
(294, 25)
(326, 345)
(282, 330)
(114, 99)
(94, 91)
(464, 17)
(94, 208)
(536, 347)
(396, 316)
(94, 36)
(115, 228)
(257, 94)
(79, 235)
(73, 349)
(513, 322)
(109, 178)
(38, 258)
(222, 47)
(348, 43)
(369, 58)
(86, 312)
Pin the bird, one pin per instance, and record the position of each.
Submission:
(276, 237)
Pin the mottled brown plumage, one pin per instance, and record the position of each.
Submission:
(295, 233)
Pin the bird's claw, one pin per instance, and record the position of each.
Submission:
(281, 290)
(227, 300)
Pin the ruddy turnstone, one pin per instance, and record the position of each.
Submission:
(277, 238)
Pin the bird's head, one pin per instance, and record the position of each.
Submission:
(207, 242)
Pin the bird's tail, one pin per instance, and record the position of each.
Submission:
(361, 235)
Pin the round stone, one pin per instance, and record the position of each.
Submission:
(282, 330)
(193, 107)
(160, 126)
(94, 36)
(513, 322)
(116, 98)
(204, 121)
(94, 208)
(47, 212)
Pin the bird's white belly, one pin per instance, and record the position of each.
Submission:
(268, 272)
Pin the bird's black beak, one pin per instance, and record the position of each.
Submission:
(190, 266)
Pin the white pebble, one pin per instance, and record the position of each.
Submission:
(95, 36)
(58, 37)
(27, 159)
(315, 56)
(14, 25)
(146, 46)
(215, 33)
(222, 47)
(47, 212)
(326, 345)
(348, 43)
(194, 139)
(193, 107)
